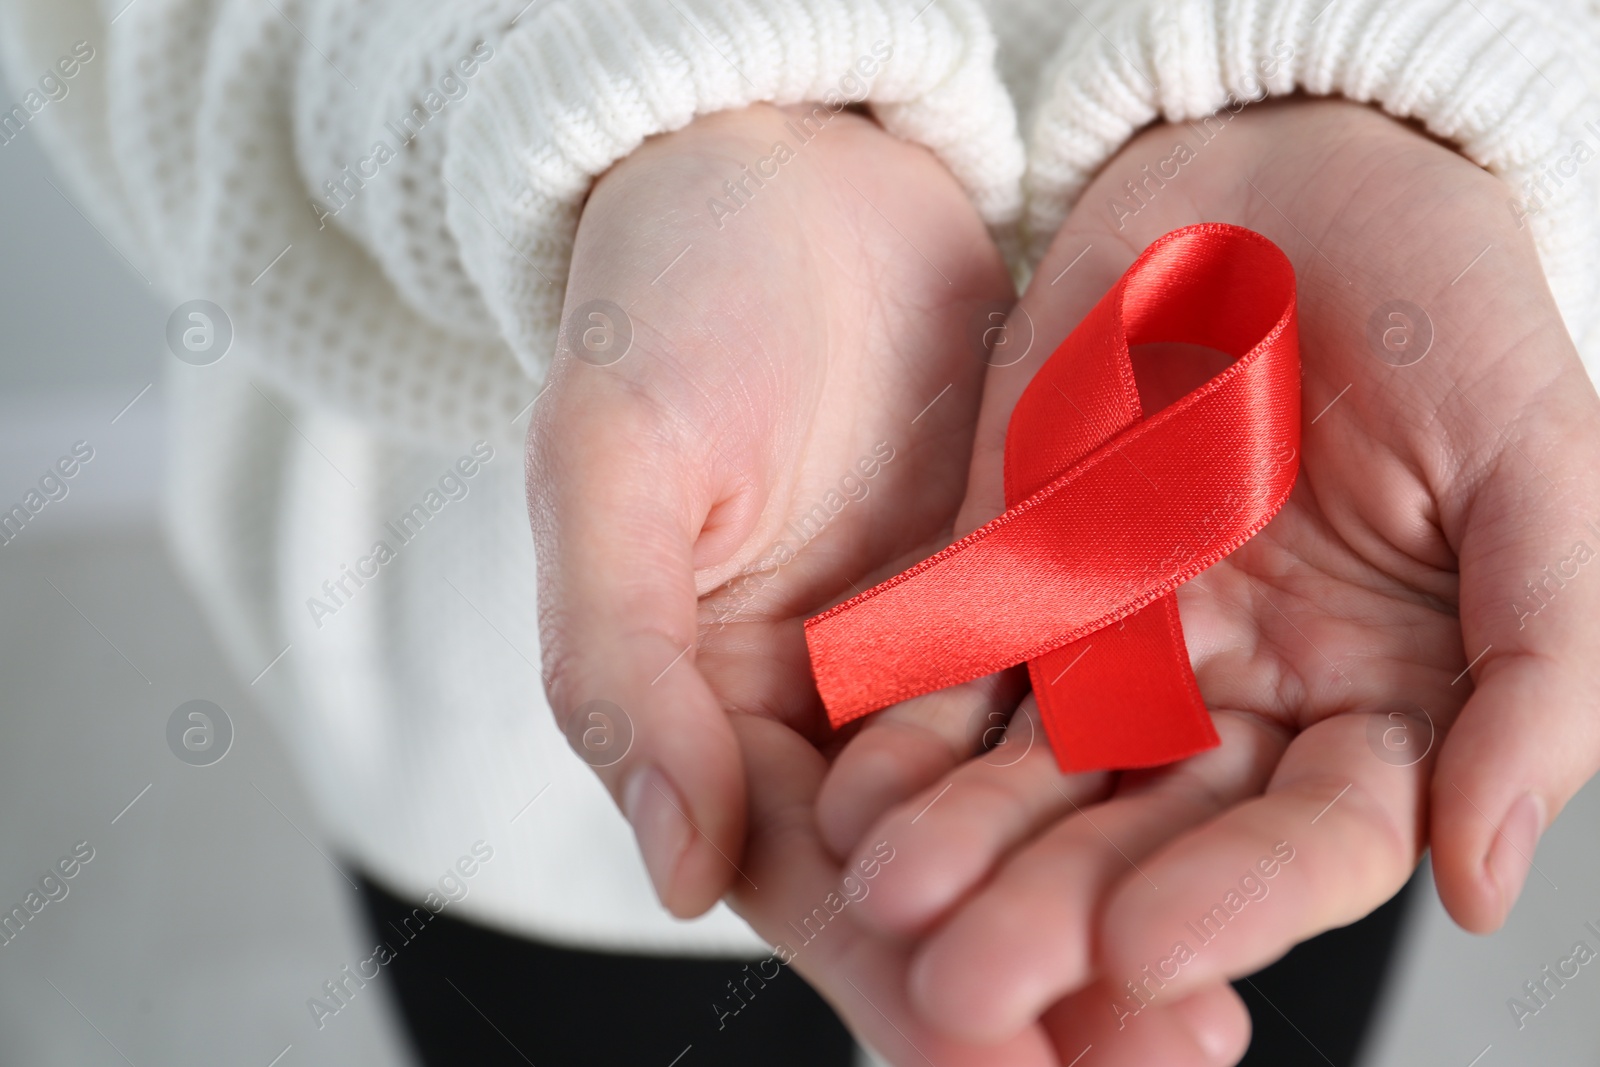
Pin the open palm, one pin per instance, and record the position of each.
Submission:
(1449, 458)
(765, 391)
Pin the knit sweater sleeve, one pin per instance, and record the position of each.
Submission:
(382, 195)
(1514, 84)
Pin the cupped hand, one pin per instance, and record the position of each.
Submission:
(814, 350)
(809, 906)
(1402, 659)
(764, 392)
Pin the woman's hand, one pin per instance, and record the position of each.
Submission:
(1404, 657)
(810, 907)
(765, 392)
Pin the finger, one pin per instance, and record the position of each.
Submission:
(952, 834)
(799, 899)
(1528, 738)
(1207, 1028)
(904, 749)
(1337, 833)
(1025, 939)
(615, 514)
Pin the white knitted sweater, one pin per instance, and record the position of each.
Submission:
(382, 196)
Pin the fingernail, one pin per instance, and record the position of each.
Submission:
(1512, 851)
(655, 810)
(1213, 1032)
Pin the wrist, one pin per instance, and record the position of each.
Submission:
(1370, 210)
(1332, 166)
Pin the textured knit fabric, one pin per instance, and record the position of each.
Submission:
(382, 195)
(1514, 84)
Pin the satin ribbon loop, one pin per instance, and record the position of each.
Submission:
(1107, 513)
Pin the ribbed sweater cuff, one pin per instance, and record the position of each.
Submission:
(581, 85)
(1507, 81)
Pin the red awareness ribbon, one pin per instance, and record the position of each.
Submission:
(1107, 513)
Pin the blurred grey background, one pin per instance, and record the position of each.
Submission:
(209, 912)
(207, 916)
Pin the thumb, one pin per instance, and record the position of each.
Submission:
(1527, 739)
(615, 510)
